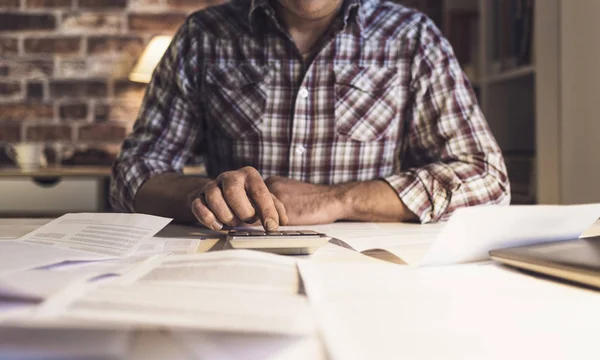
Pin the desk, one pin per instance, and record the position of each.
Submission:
(158, 345)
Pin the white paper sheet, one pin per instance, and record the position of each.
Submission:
(108, 235)
(18, 256)
(234, 346)
(407, 242)
(384, 311)
(225, 291)
(472, 232)
(24, 343)
(39, 284)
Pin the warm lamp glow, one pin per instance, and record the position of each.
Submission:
(142, 71)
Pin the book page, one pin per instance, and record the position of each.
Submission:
(107, 235)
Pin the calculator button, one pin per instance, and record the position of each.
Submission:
(309, 232)
(275, 233)
(292, 233)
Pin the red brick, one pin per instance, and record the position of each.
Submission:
(124, 112)
(8, 46)
(92, 22)
(56, 45)
(156, 23)
(18, 67)
(78, 88)
(34, 4)
(9, 4)
(48, 133)
(131, 45)
(13, 21)
(193, 5)
(129, 90)
(10, 88)
(102, 132)
(26, 111)
(144, 3)
(77, 111)
(102, 4)
(10, 132)
(69, 67)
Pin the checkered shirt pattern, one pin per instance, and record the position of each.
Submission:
(383, 98)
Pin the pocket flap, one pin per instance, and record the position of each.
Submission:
(366, 78)
(236, 76)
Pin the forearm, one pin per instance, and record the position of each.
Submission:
(374, 201)
(169, 195)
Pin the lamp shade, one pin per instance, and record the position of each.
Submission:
(142, 71)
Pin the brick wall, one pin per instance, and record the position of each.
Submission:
(64, 67)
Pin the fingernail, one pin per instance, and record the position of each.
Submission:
(270, 225)
(216, 225)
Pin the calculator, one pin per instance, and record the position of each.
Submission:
(287, 242)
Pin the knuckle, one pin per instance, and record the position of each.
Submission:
(212, 195)
(231, 191)
(249, 170)
(260, 192)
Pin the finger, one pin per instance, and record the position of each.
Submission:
(204, 215)
(261, 196)
(283, 218)
(234, 194)
(213, 198)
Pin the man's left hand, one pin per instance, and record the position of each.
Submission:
(307, 204)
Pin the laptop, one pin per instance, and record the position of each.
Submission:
(575, 260)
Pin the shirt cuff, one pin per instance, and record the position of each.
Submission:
(423, 194)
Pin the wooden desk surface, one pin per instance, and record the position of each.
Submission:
(89, 171)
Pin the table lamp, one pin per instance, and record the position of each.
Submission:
(143, 69)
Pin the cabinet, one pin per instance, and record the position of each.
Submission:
(53, 192)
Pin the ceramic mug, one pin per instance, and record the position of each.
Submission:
(27, 156)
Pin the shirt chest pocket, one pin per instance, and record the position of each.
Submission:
(235, 98)
(366, 102)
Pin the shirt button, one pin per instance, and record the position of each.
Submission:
(303, 92)
(300, 149)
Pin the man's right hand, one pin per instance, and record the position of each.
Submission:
(237, 197)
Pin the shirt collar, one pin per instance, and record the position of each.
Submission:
(351, 10)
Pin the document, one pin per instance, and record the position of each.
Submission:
(234, 346)
(471, 311)
(243, 291)
(43, 282)
(56, 343)
(18, 255)
(398, 243)
(105, 235)
(472, 232)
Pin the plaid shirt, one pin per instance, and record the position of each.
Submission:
(383, 98)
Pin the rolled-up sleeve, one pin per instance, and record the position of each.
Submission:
(168, 125)
(450, 159)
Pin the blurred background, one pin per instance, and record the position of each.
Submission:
(73, 74)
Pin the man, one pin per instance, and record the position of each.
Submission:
(308, 112)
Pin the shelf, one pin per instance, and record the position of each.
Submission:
(509, 75)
